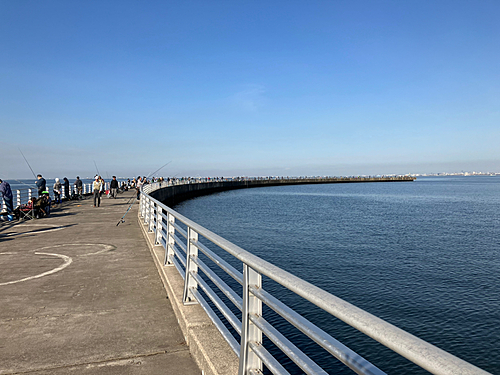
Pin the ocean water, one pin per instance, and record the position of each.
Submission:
(423, 255)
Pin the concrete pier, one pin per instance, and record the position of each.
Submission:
(81, 295)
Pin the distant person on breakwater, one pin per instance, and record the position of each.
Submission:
(6, 192)
(96, 188)
(113, 187)
(57, 191)
(40, 184)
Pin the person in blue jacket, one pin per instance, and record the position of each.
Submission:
(6, 192)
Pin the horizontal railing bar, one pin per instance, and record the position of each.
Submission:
(230, 270)
(163, 234)
(271, 363)
(347, 356)
(178, 254)
(228, 314)
(179, 268)
(223, 287)
(179, 229)
(286, 346)
(181, 244)
(218, 323)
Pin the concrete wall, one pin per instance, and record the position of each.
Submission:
(175, 194)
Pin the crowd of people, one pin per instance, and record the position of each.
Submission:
(62, 189)
(36, 206)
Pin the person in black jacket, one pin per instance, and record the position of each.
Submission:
(40, 184)
(66, 188)
(113, 187)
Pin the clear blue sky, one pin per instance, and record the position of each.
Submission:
(226, 88)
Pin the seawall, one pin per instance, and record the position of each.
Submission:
(171, 195)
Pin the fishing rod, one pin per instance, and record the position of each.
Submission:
(122, 219)
(26, 160)
(163, 166)
(97, 169)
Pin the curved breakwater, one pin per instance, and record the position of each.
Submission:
(398, 251)
(178, 193)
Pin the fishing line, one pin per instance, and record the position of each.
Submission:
(135, 198)
(97, 169)
(27, 162)
(163, 166)
(31, 186)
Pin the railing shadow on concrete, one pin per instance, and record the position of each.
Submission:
(181, 244)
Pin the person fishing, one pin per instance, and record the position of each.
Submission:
(6, 192)
(40, 184)
(79, 186)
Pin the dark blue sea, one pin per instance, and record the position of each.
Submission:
(423, 255)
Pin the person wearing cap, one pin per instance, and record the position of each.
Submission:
(113, 187)
(6, 192)
(96, 188)
(40, 184)
(79, 186)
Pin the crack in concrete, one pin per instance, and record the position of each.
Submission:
(105, 362)
(100, 312)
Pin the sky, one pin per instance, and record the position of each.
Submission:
(248, 88)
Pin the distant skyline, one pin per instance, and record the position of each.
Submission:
(240, 88)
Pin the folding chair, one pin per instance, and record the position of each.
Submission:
(25, 211)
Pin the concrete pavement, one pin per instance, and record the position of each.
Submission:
(80, 295)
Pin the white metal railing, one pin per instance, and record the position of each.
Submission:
(183, 240)
(22, 196)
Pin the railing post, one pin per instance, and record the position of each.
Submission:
(29, 194)
(151, 216)
(141, 202)
(190, 282)
(145, 208)
(169, 253)
(18, 197)
(159, 225)
(147, 212)
(249, 332)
